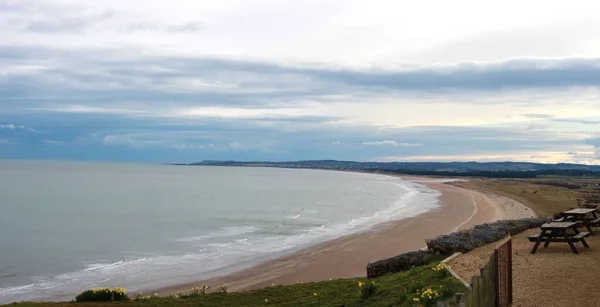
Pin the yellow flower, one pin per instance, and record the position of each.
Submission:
(266, 300)
(416, 299)
(361, 284)
(315, 294)
(273, 285)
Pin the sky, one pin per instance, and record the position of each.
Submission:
(185, 81)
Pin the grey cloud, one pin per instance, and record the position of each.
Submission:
(537, 116)
(577, 121)
(104, 77)
(284, 140)
(522, 73)
(74, 22)
(392, 143)
(594, 142)
(187, 27)
(51, 17)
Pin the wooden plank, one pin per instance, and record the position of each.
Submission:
(579, 211)
(510, 277)
(488, 280)
(481, 292)
(475, 285)
(558, 225)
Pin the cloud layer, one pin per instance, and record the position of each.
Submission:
(117, 80)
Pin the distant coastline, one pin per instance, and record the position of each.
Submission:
(442, 169)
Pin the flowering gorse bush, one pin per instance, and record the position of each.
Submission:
(441, 270)
(102, 295)
(428, 296)
(367, 289)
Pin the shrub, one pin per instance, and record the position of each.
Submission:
(195, 292)
(429, 296)
(367, 289)
(102, 295)
(222, 289)
(441, 270)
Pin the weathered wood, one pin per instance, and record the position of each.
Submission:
(580, 236)
(485, 288)
(579, 211)
(595, 222)
(558, 225)
(460, 300)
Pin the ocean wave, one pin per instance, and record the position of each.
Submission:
(231, 231)
(16, 289)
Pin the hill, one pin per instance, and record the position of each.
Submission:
(477, 169)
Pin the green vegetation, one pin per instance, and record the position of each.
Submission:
(398, 289)
(102, 295)
(367, 289)
(544, 197)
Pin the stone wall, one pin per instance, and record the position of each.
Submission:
(479, 235)
(461, 241)
(397, 264)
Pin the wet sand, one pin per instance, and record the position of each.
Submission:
(348, 256)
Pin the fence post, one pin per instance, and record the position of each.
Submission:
(510, 279)
(496, 278)
(460, 300)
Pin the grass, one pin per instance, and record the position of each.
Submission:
(544, 200)
(390, 290)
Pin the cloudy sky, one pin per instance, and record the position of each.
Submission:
(181, 81)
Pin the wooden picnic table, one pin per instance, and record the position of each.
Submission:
(559, 232)
(587, 216)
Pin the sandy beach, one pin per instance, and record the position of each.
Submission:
(347, 256)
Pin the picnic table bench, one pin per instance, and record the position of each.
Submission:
(588, 217)
(559, 232)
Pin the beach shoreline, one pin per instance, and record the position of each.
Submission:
(460, 207)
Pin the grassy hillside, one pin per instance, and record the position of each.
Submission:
(544, 196)
(391, 290)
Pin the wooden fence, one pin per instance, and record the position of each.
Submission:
(493, 287)
(503, 259)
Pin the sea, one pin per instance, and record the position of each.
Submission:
(69, 226)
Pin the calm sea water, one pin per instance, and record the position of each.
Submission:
(68, 226)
